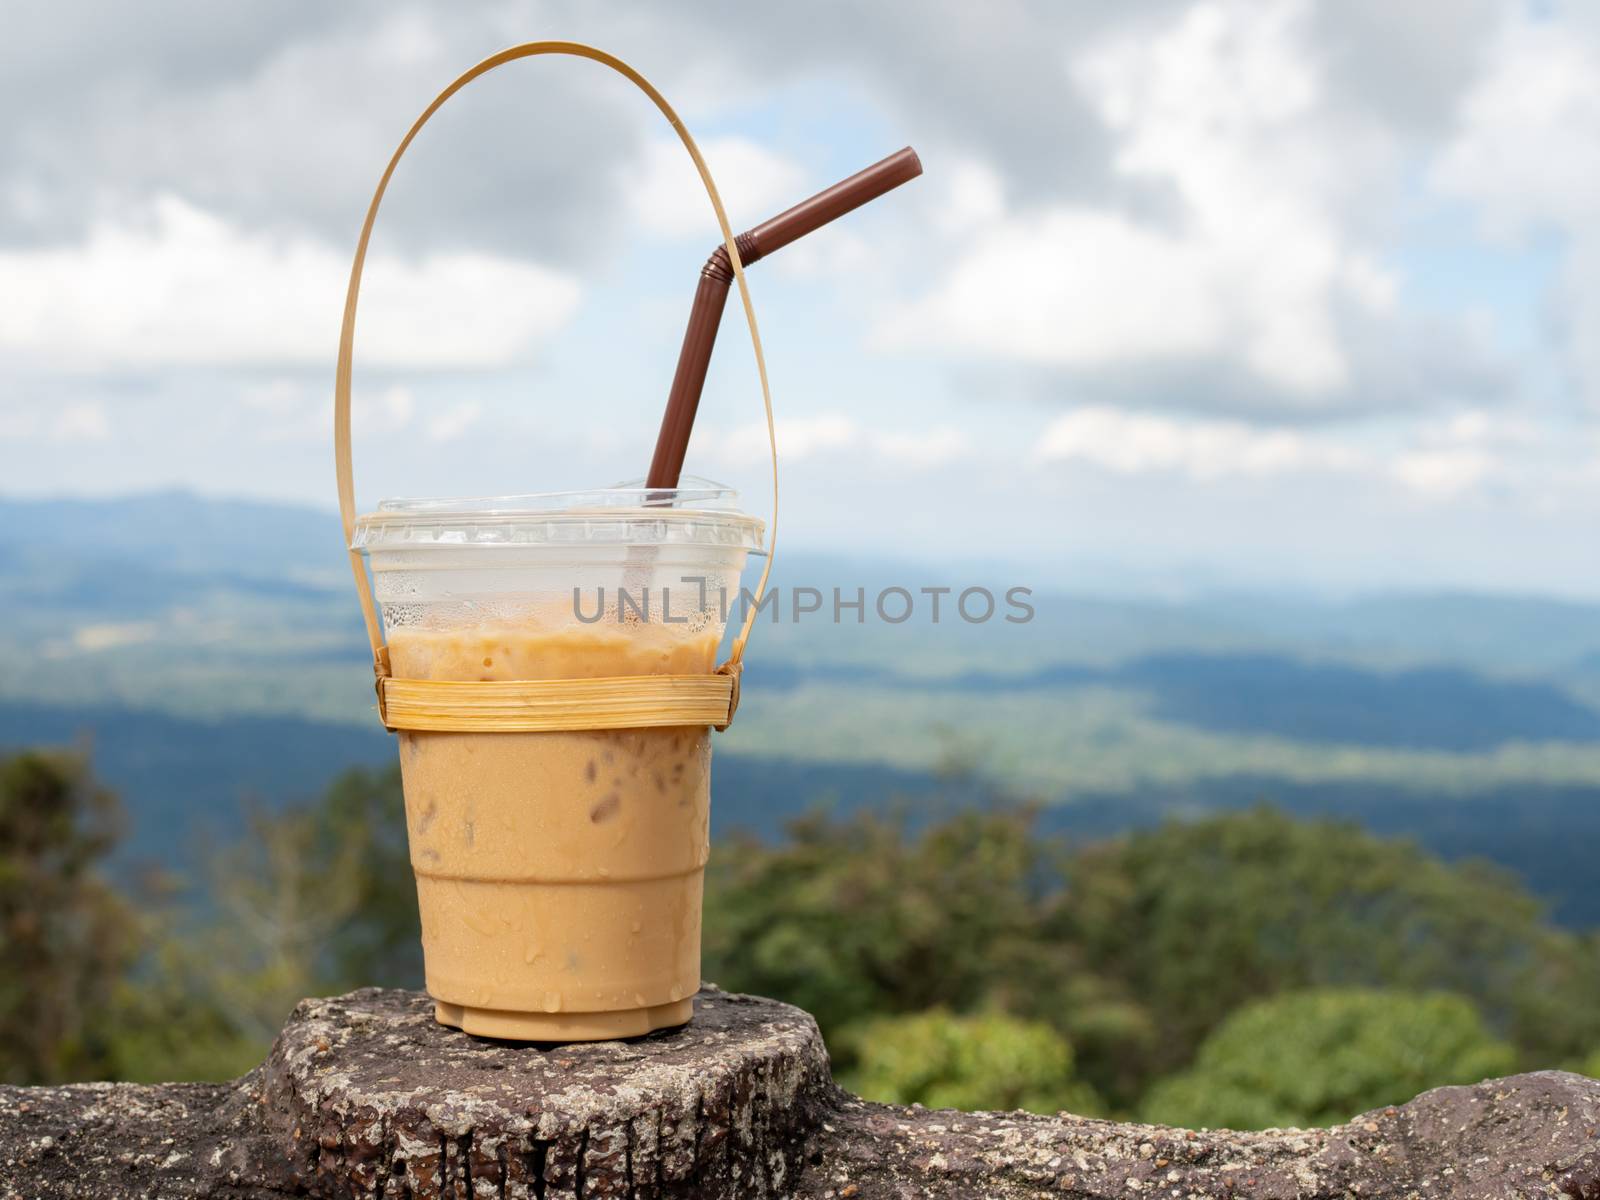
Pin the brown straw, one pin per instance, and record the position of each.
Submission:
(712, 293)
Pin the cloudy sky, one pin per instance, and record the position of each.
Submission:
(1261, 291)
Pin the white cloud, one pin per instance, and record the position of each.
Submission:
(1463, 452)
(388, 411)
(281, 117)
(974, 197)
(82, 423)
(93, 638)
(17, 423)
(300, 409)
(1223, 108)
(1165, 208)
(190, 289)
(274, 396)
(455, 421)
(833, 433)
(1139, 443)
(1528, 148)
(1040, 289)
(668, 199)
(798, 437)
(1527, 156)
(1438, 460)
(841, 254)
(288, 410)
(1442, 473)
(932, 448)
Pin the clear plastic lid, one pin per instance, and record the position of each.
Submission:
(698, 512)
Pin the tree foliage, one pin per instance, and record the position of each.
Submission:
(967, 960)
(1590, 1066)
(1135, 948)
(985, 1061)
(1197, 919)
(65, 936)
(318, 898)
(1322, 1057)
(858, 918)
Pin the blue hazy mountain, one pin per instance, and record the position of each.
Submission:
(210, 654)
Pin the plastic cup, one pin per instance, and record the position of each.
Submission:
(559, 874)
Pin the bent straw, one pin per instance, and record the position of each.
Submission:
(672, 443)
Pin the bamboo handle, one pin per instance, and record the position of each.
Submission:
(341, 386)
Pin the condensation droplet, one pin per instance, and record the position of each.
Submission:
(552, 1002)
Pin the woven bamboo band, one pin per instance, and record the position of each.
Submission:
(527, 706)
(544, 704)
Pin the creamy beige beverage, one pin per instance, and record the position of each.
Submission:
(559, 875)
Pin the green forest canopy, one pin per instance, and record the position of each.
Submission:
(1240, 969)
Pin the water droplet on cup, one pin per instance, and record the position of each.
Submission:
(552, 1002)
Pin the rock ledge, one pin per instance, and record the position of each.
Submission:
(365, 1095)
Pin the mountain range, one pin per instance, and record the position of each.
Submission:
(210, 654)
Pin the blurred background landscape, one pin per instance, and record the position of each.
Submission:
(1258, 340)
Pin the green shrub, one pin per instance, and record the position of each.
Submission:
(1197, 919)
(984, 1062)
(1322, 1057)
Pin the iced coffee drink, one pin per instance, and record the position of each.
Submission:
(559, 874)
